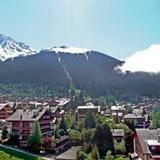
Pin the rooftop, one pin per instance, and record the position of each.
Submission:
(117, 108)
(147, 136)
(26, 115)
(4, 104)
(118, 132)
(132, 116)
(70, 154)
(63, 102)
(153, 142)
(91, 107)
(88, 107)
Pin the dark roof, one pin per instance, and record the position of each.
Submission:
(2, 105)
(146, 134)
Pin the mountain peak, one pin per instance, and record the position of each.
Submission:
(9, 48)
(69, 49)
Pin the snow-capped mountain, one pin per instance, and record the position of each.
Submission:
(94, 72)
(9, 48)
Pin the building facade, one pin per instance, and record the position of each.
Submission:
(22, 121)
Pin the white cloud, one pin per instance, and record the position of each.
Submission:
(147, 60)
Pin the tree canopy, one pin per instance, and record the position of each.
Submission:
(90, 120)
(103, 139)
(35, 137)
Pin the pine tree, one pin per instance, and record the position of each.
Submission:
(90, 121)
(103, 139)
(81, 99)
(14, 107)
(4, 133)
(72, 95)
(35, 137)
(63, 126)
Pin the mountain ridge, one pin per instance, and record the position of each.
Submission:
(90, 71)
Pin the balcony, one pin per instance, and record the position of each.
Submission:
(20, 128)
(45, 122)
(45, 127)
(46, 117)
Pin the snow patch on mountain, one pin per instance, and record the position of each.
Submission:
(9, 48)
(69, 49)
(147, 60)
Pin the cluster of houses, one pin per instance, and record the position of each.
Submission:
(20, 121)
(146, 141)
(20, 118)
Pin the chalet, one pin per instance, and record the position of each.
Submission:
(64, 104)
(137, 111)
(117, 112)
(82, 110)
(55, 111)
(141, 121)
(53, 103)
(61, 144)
(107, 113)
(147, 144)
(21, 123)
(118, 134)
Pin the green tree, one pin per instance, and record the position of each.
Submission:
(120, 147)
(63, 126)
(74, 135)
(100, 101)
(14, 107)
(13, 139)
(90, 121)
(123, 126)
(103, 139)
(110, 100)
(35, 137)
(105, 121)
(81, 99)
(129, 142)
(109, 156)
(72, 95)
(88, 135)
(81, 155)
(122, 158)
(69, 120)
(155, 122)
(4, 133)
(95, 153)
(131, 124)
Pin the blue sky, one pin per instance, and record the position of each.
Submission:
(116, 27)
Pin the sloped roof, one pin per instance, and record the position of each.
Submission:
(26, 115)
(70, 154)
(147, 134)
